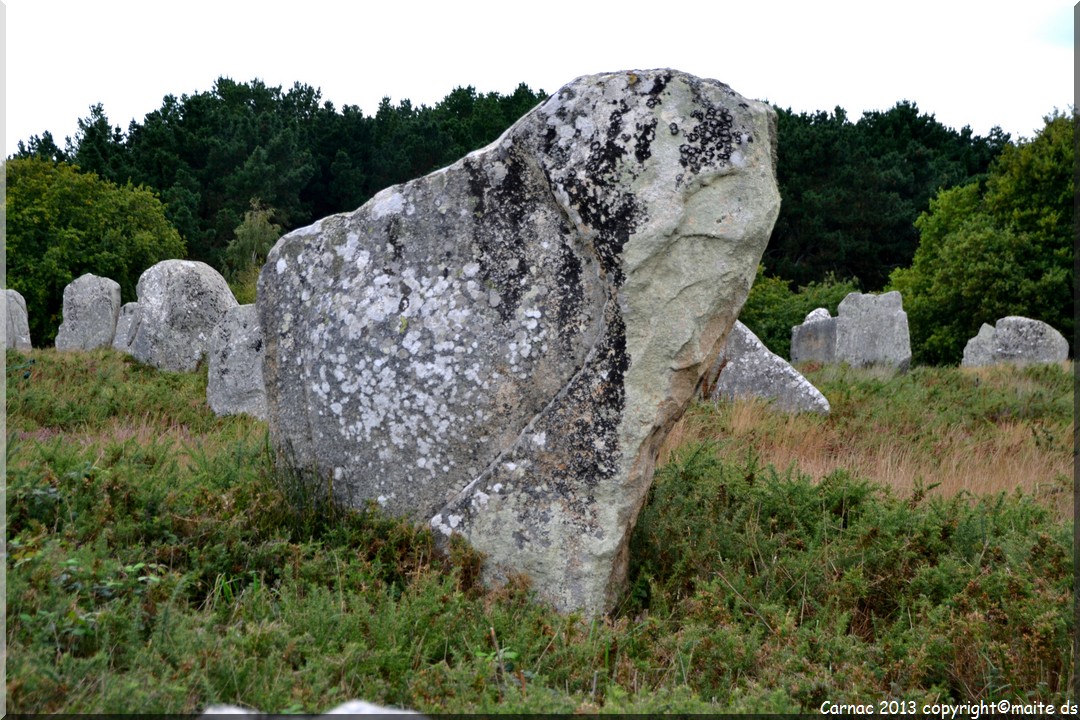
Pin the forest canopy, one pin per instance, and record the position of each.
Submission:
(853, 191)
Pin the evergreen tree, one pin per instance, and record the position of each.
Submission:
(42, 147)
(851, 191)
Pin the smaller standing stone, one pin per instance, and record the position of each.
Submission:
(873, 330)
(18, 322)
(746, 368)
(815, 339)
(868, 330)
(1016, 340)
(235, 382)
(980, 349)
(91, 308)
(122, 338)
(180, 303)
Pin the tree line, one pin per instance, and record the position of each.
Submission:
(210, 154)
(244, 161)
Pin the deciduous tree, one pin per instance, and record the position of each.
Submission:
(62, 223)
(996, 248)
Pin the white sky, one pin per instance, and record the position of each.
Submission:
(967, 62)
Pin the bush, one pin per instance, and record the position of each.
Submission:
(841, 588)
(63, 223)
(251, 243)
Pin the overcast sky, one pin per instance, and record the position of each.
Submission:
(967, 62)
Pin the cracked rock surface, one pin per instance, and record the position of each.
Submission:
(498, 349)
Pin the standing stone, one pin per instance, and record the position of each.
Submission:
(91, 308)
(235, 379)
(868, 330)
(124, 327)
(499, 349)
(815, 339)
(873, 330)
(180, 302)
(18, 322)
(746, 368)
(980, 349)
(1016, 340)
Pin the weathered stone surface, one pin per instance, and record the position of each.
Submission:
(499, 348)
(353, 707)
(235, 379)
(873, 330)
(124, 335)
(91, 308)
(746, 368)
(980, 349)
(180, 302)
(815, 339)
(18, 322)
(1016, 340)
(868, 330)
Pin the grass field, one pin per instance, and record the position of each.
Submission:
(914, 545)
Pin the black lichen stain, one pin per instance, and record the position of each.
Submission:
(584, 424)
(393, 236)
(582, 449)
(570, 295)
(646, 134)
(711, 142)
(659, 83)
(612, 212)
(503, 214)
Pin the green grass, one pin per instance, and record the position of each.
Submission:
(158, 562)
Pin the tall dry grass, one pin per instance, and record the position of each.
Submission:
(919, 430)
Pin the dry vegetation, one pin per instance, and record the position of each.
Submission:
(906, 431)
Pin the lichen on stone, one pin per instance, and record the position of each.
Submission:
(495, 349)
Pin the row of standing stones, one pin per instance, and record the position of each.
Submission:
(185, 314)
(498, 349)
(875, 333)
(873, 330)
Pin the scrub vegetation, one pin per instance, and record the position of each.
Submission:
(914, 545)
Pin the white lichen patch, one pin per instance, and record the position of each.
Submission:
(438, 524)
(387, 202)
(426, 351)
